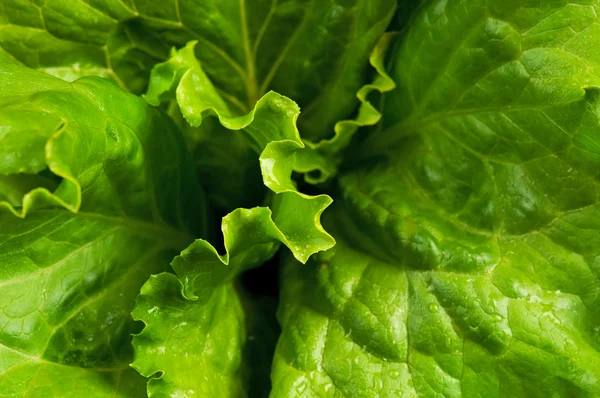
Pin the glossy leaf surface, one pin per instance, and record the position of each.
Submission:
(466, 262)
(116, 197)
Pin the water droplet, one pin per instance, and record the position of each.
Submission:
(433, 307)
(301, 386)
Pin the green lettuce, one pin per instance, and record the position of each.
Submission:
(160, 162)
(467, 223)
(115, 199)
(246, 49)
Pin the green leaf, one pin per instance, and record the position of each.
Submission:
(320, 160)
(315, 52)
(71, 39)
(468, 230)
(195, 325)
(406, 9)
(270, 129)
(227, 165)
(114, 199)
(54, 380)
(14, 187)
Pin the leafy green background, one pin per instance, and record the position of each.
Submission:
(466, 262)
(73, 259)
(466, 209)
(246, 47)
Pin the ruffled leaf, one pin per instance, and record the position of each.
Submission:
(271, 128)
(195, 351)
(325, 156)
(195, 326)
(98, 192)
(312, 51)
(468, 226)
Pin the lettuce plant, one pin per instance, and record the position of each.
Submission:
(155, 156)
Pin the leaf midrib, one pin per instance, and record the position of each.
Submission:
(38, 360)
(247, 72)
(170, 237)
